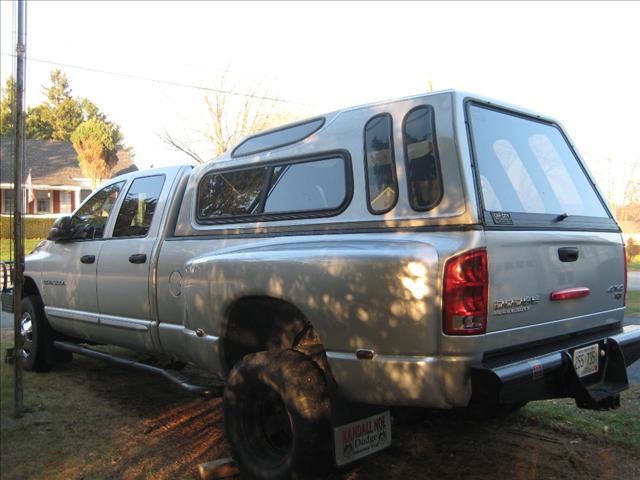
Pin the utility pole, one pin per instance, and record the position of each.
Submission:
(18, 241)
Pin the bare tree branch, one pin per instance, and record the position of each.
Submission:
(179, 146)
(232, 117)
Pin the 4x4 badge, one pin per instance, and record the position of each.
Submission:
(617, 290)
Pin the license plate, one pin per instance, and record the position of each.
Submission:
(585, 360)
(361, 438)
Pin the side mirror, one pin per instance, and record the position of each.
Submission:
(61, 230)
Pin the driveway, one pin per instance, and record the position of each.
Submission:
(633, 279)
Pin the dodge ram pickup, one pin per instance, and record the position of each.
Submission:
(440, 251)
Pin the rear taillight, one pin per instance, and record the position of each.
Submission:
(465, 294)
(626, 279)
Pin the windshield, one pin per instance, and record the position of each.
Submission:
(526, 166)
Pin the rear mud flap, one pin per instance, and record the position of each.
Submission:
(554, 376)
(359, 430)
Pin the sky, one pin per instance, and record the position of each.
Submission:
(574, 61)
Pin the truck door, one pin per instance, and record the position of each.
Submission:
(123, 284)
(69, 268)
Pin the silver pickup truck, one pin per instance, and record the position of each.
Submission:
(438, 251)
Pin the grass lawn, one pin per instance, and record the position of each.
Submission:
(634, 263)
(6, 247)
(633, 304)
(92, 420)
(619, 426)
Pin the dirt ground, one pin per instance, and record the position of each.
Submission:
(89, 420)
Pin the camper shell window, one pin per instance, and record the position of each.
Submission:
(529, 175)
(277, 138)
(382, 187)
(421, 156)
(304, 188)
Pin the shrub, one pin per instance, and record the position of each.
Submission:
(34, 227)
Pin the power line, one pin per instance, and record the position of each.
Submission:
(165, 82)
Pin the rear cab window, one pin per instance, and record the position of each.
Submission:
(529, 176)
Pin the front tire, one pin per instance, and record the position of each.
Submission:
(277, 416)
(37, 336)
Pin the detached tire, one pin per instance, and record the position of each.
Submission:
(37, 336)
(277, 416)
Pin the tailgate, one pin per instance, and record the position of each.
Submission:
(548, 230)
(525, 268)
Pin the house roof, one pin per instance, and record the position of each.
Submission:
(53, 163)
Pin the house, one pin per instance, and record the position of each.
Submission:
(59, 185)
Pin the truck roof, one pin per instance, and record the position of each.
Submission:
(151, 171)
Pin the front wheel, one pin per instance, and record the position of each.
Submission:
(36, 335)
(277, 416)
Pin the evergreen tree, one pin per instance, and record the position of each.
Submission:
(59, 115)
(61, 111)
(95, 141)
(37, 123)
(7, 121)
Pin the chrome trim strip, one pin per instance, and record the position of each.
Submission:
(560, 321)
(125, 323)
(171, 326)
(96, 319)
(389, 358)
(77, 315)
(186, 331)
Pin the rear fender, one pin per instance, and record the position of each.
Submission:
(373, 294)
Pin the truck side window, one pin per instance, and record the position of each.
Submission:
(382, 187)
(421, 155)
(89, 221)
(136, 212)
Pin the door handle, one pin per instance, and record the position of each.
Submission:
(88, 258)
(568, 254)
(138, 258)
